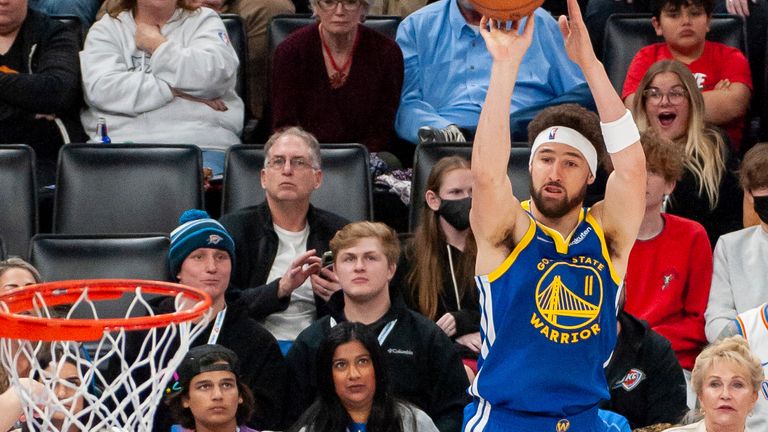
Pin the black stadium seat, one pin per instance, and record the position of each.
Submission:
(18, 198)
(239, 40)
(428, 154)
(346, 188)
(625, 34)
(125, 188)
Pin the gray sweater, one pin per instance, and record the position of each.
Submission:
(739, 279)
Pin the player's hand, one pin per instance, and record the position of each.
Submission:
(448, 324)
(325, 283)
(576, 37)
(738, 7)
(300, 269)
(148, 37)
(503, 39)
(471, 341)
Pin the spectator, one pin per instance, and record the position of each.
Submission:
(670, 266)
(39, 84)
(740, 278)
(442, 255)
(201, 256)
(722, 72)
(671, 104)
(277, 273)
(447, 67)
(338, 79)
(645, 380)
(162, 72)
(727, 379)
(16, 273)
(210, 395)
(422, 366)
(353, 386)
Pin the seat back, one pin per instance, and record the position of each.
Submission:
(111, 256)
(125, 188)
(626, 34)
(346, 188)
(239, 40)
(427, 155)
(18, 198)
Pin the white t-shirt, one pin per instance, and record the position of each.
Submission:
(286, 325)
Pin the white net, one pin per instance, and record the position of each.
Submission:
(114, 383)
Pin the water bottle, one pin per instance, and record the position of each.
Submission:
(101, 132)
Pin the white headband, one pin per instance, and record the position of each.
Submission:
(569, 137)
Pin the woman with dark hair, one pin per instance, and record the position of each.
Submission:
(209, 395)
(441, 256)
(671, 103)
(353, 389)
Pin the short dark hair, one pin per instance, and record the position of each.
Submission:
(659, 5)
(573, 116)
(754, 168)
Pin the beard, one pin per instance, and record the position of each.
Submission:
(554, 209)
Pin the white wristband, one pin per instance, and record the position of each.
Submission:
(620, 134)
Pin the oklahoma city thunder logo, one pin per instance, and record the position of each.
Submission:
(569, 296)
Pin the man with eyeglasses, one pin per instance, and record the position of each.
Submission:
(278, 273)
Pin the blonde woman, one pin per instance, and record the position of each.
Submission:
(672, 105)
(726, 378)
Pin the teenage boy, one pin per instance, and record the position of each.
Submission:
(722, 72)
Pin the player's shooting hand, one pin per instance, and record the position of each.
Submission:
(300, 269)
(448, 324)
(503, 39)
(325, 283)
(576, 37)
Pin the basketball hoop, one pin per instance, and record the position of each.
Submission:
(99, 313)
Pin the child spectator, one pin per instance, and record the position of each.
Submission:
(722, 72)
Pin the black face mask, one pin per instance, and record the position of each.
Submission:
(761, 207)
(456, 212)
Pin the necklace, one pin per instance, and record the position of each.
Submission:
(339, 77)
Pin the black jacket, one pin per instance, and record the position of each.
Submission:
(424, 369)
(645, 380)
(256, 247)
(48, 84)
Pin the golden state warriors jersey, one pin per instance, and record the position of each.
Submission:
(548, 324)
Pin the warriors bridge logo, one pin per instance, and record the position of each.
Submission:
(569, 296)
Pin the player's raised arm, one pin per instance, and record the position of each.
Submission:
(621, 212)
(492, 198)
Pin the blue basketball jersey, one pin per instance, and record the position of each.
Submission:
(548, 324)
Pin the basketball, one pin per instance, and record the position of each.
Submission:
(506, 10)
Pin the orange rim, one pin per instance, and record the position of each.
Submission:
(17, 326)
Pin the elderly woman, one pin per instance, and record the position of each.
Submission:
(161, 71)
(338, 79)
(673, 106)
(727, 378)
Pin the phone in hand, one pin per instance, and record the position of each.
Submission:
(327, 259)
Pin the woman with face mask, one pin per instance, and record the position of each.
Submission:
(441, 257)
(740, 271)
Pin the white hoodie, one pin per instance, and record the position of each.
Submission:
(132, 90)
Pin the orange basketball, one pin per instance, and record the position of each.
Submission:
(506, 10)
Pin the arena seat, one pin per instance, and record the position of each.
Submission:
(428, 154)
(125, 188)
(109, 256)
(18, 198)
(626, 34)
(346, 189)
(3, 255)
(237, 37)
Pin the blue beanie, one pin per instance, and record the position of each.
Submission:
(197, 230)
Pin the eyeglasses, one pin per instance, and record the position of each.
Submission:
(278, 162)
(348, 5)
(675, 96)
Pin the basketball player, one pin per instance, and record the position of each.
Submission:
(549, 270)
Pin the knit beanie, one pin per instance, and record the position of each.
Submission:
(197, 230)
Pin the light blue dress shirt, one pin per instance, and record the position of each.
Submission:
(447, 69)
